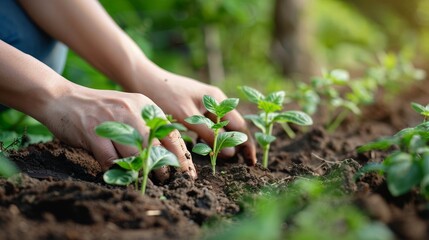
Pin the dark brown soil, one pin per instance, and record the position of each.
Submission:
(61, 194)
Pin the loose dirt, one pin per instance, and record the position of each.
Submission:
(61, 194)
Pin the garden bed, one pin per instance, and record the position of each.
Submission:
(61, 194)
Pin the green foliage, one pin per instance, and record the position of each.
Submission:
(408, 166)
(7, 168)
(149, 158)
(221, 139)
(341, 96)
(270, 106)
(297, 213)
(18, 130)
(422, 110)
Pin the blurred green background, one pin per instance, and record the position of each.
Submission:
(266, 44)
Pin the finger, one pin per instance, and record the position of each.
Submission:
(163, 173)
(175, 144)
(247, 149)
(125, 151)
(104, 152)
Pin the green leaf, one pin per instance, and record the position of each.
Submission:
(296, 117)
(418, 107)
(156, 122)
(264, 139)
(353, 107)
(381, 144)
(162, 131)
(201, 149)
(197, 119)
(424, 186)
(230, 139)
(370, 167)
(226, 106)
(416, 142)
(276, 98)
(339, 76)
(120, 177)
(159, 156)
(130, 163)
(423, 110)
(210, 103)
(120, 133)
(402, 173)
(269, 106)
(257, 120)
(252, 94)
(425, 163)
(220, 125)
(7, 168)
(150, 112)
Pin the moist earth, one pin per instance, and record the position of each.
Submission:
(61, 194)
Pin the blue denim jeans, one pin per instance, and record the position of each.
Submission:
(19, 31)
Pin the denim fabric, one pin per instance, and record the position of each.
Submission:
(18, 30)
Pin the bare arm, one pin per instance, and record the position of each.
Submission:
(26, 84)
(88, 29)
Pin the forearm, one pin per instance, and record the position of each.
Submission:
(86, 28)
(27, 84)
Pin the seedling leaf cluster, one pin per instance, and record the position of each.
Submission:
(270, 107)
(149, 157)
(408, 166)
(221, 139)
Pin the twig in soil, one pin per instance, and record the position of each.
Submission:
(325, 162)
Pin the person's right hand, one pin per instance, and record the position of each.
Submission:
(73, 117)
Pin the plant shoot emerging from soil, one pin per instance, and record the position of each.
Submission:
(221, 139)
(149, 158)
(270, 106)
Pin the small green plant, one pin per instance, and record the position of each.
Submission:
(422, 110)
(149, 158)
(270, 106)
(406, 167)
(325, 91)
(221, 139)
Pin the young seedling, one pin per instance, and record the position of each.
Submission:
(221, 140)
(408, 165)
(422, 110)
(270, 106)
(149, 158)
(325, 91)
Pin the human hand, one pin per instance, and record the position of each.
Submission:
(182, 97)
(73, 117)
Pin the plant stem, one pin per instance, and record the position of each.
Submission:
(265, 157)
(145, 167)
(213, 157)
(268, 131)
(288, 130)
(337, 121)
